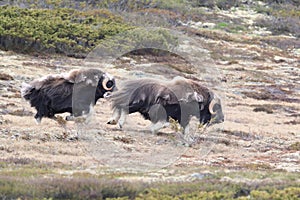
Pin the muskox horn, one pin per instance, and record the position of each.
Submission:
(107, 79)
(211, 106)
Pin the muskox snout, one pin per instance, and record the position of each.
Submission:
(218, 118)
(221, 119)
(107, 94)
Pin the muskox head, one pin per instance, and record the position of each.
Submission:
(99, 83)
(105, 86)
(215, 110)
(210, 108)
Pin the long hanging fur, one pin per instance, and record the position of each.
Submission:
(73, 92)
(158, 100)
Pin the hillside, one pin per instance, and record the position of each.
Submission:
(247, 52)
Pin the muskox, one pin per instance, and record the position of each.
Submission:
(75, 92)
(159, 101)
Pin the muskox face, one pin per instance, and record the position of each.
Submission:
(212, 113)
(105, 86)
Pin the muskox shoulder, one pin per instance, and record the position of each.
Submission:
(84, 75)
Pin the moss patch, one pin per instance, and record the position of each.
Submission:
(295, 146)
(263, 109)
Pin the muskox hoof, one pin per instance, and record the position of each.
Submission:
(38, 120)
(70, 118)
(120, 126)
(112, 122)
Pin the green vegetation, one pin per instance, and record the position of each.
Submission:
(295, 146)
(38, 183)
(230, 27)
(64, 188)
(62, 30)
(28, 179)
(87, 186)
(287, 193)
(283, 17)
(74, 28)
(74, 33)
(141, 39)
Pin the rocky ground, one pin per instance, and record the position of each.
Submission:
(260, 88)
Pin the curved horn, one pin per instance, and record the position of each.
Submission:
(211, 107)
(106, 79)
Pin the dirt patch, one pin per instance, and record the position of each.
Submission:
(263, 109)
(126, 140)
(20, 112)
(6, 77)
(273, 92)
(293, 122)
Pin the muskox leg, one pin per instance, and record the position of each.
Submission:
(115, 117)
(41, 112)
(38, 118)
(185, 123)
(70, 118)
(122, 118)
(155, 127)
(186, 129)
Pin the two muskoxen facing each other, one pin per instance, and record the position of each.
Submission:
(75, 92)
(158, 101)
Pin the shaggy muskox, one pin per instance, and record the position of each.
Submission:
(158, 101)
(75, 92)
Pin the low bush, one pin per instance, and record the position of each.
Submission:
(65, 31)
(283, 17)
(47, 184)
(221, 4)
(138, 41)
(65, 188)
(281, 25)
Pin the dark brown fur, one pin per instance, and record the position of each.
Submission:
(74, 92)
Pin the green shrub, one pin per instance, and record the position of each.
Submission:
(295, 146)
(221, 4)
(66, 188)
(281, 25)
(120, 5)
(274, 2)
(138, 41)
(283, 17)
(90, 186)
(65, 31)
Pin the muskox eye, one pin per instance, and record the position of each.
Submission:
(109, 84)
